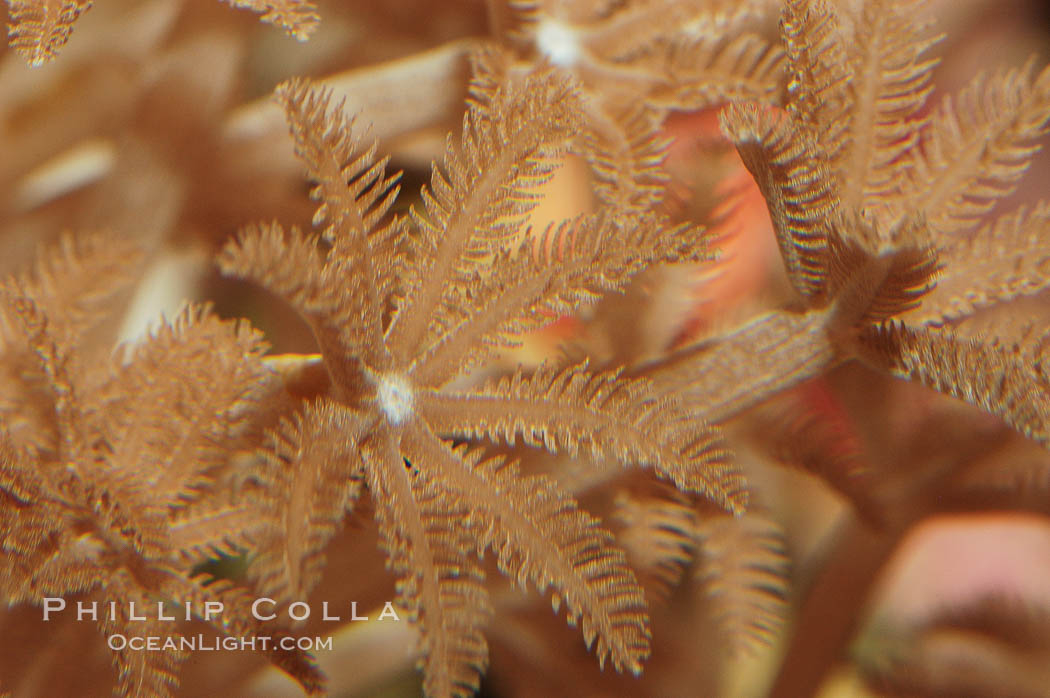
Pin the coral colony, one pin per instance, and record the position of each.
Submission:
(476, 384)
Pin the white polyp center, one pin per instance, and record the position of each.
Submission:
(394, 395)
(558, 43)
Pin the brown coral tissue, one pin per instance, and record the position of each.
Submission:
(525, 348)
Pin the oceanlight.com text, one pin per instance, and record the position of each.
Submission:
(206, 643)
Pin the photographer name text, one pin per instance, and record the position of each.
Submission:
(263, 609)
